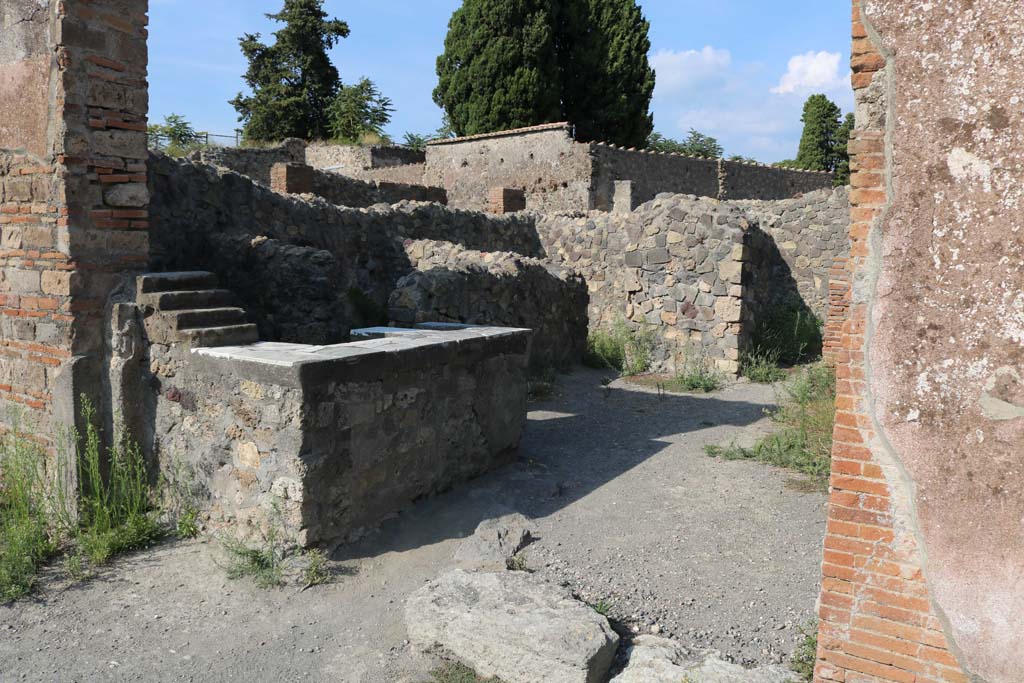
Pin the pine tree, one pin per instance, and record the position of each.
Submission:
(293, 81)
(821, 131)
(358, 111)
(842, 154)
(499, 68)
(606, 79)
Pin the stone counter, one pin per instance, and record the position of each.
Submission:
(328, 440)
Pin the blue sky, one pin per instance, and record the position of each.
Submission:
(735, 69)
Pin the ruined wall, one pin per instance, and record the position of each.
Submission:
(742, 180)
(456, 285)
(651, 173)
(356, 160)
(345, 191)
(320, 432)
(194, 204)
(255, 162)
(673, 267)
(798, 244)
(538, 160)
(73, 212)
(408, 174)
(925, 551)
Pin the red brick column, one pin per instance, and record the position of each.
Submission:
(877, 620)
(73, 200)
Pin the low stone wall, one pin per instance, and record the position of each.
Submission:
(743, 180)
(408, 174)
(673, 267)
(456, 285)
(345, 191)
(798, 243)
(251, 161)
(651, 173)
(327, 441)
(193, 204)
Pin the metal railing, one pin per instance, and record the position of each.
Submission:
(159, 141)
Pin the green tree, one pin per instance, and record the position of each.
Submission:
(293, 81)
(499, 68)
(842, 153)
(821, 132)
(359, 110)
(606, 79)
(175, 136)
(695, 145)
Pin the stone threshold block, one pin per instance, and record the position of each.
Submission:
(323, 442)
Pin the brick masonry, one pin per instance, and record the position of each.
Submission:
(73, 208)
(923, 556)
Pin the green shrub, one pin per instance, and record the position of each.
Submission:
(25, 538)
(804, 441)
(761, 366)
(621, 348)
(697, 373)
(789, 332)
(806, 654)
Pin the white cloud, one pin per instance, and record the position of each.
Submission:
(678, 71)
(811, 71)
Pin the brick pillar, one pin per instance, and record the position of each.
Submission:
(292, 178)
(506, 200)
(910, 529)
(839, 295)
(73, 206)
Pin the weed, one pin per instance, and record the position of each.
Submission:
(696, 373)
(116, 512)
(806, 416)
(540, 385)
(262, 563)
(517, 563)
(803, 658)
(790, 332)
(76, 566)
(621, 348)
(317, 571)
(187, 525)
(25, 539)
(456, 672)
(601, 607)
(762, 366)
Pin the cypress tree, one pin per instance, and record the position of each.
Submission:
(292, 81)
(607, 81)
(499, 68)
(821, 131)
(842, 153)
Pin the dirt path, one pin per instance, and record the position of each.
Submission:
(628, 510)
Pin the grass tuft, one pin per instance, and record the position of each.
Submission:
(696, 374)
(317, 571)
(262, 563)
(621, 348)
(762, 366)
(601, 607)
(456, 672)
(804, 441)
(806, 654)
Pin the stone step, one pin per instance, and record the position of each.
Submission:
(190, 299)
(229, 335)
(176, 282)
(207, 317)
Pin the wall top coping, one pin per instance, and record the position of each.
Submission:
(504, 133)
(371, 342)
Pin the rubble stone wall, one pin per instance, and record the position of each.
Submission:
(254, 162)
(452, 284)
(319, 433)
(345, 191)
(356, 160)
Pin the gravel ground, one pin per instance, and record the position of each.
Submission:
(628, 511)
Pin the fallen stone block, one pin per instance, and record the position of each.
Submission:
(494, 543)
(659, 660)
(513, 626)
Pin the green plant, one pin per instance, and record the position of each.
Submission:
(601, 607)
(456, 672)
(804, 441)
(116, 512)
(358, 110)
(806, 654)
(621, 348)
(697, 373)
(696, 144)
(262, 563)
(25, 538)
(317, 571)
(415, 141)
(187, 525)
(517, 563)
(761, 366)
(540, 384)
(789, 332)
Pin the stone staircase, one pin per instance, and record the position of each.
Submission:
(190, 308)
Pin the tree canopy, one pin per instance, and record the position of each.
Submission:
(514, 63)
(821, 131)
(293, 81)
(696, 144)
